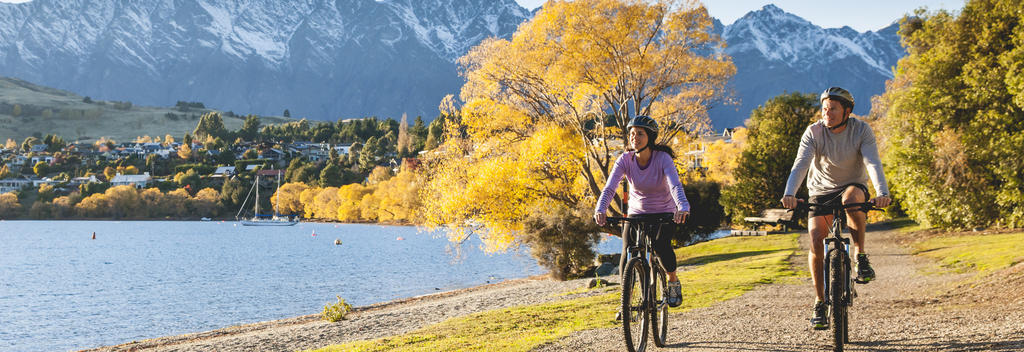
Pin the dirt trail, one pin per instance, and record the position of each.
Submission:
(902, 310)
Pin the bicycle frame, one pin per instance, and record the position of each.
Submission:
(643, 265)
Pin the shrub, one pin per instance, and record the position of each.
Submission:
(336, 311)
(562, 240)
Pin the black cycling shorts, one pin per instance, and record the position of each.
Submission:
(834, 198)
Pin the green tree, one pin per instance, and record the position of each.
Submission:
(952, 117)
(331, 176)
(210, 124)
(774, 132)
(250, 128)
(371, 154)
(233, 192)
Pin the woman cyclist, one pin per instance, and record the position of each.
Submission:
(654, 190)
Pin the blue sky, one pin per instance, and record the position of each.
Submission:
(862, 15)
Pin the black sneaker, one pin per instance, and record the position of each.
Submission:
(864, 271)
(674, 296)
(820, 319)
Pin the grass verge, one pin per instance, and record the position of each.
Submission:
(966, 253)
(726, 268)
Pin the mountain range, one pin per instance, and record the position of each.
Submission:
(326, 60)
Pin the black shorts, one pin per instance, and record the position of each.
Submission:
(834, 198)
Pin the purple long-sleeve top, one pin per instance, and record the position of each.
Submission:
(654, 188)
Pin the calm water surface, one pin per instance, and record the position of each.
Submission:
(61, 290)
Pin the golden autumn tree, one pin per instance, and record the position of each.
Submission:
(287, 198)
(544, 113)
(350, 196)
(722, 157)
(9, 206)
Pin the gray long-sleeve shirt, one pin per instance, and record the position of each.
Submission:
(836, 159)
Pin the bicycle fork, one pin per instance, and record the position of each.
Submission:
(832, 244)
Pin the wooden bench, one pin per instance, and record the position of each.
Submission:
(782, 217)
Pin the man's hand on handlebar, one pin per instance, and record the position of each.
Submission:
(600, 219)
(882, 201)
(789, 202)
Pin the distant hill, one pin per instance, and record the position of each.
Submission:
(27, 109)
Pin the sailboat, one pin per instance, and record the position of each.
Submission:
(264, 220)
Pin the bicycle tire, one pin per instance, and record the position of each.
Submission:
(634, 312)
(659, 306)
(837, 290)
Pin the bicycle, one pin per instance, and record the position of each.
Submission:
(839, 290)
(644, 282)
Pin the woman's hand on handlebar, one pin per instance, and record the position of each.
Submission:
(680, 216)
(600, 219)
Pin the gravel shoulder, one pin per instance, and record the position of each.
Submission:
(364, 323)
(908, 308)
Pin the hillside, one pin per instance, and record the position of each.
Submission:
(28, 109)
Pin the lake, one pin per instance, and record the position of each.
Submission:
(61, 290)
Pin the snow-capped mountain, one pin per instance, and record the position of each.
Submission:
(775, 51)
(326, 59)
(321, 59)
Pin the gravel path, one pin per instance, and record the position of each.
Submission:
(902, 310)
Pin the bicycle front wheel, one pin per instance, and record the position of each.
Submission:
(634, 313)
(659, 302)
(837, 284)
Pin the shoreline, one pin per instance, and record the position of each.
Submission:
(264, 327)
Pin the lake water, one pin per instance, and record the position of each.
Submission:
(61, 290)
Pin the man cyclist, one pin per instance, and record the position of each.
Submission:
(837, 155)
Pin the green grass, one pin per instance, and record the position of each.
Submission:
(728, 268)
(980, 253)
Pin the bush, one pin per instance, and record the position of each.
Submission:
(706, 213)
(562, 240)
(336, 311)
(201, 169)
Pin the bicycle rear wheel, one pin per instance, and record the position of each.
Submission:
(837, 283)
(634, 313)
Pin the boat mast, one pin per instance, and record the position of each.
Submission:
(257, 214)
(277, 194)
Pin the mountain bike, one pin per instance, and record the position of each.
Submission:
(644, 282)
(839, 290)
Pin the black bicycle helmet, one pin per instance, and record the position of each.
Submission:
(645, 122)
(840, 94)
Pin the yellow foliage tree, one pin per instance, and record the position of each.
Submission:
(722, 157)
(93, 206)
(185, 152)
(124, 201)
(350, 197)
(398, 198)
(9, 206)
(325, 203)
(205, 202)
(109, 173)
(11, 144)
(5, 172)
(543, 110)
(287, 199)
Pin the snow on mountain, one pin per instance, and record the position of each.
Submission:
(325, 59)
(776, 52)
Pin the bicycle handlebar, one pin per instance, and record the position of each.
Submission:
(866, 206)
(667, 219)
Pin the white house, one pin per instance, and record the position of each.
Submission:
(138, 181)
(14, 184)
(225, 170)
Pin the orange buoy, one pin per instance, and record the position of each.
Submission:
(400, 238)
(94, 235)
